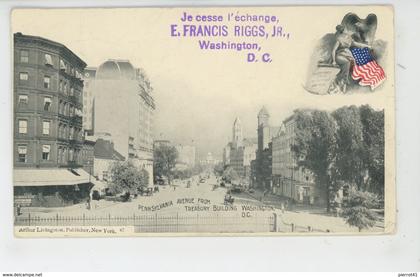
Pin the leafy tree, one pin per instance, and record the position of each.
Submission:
(315, 146)
(349, 160)
(164, 161)
(218, 169)
(230, 175)
(125, 177)
(374, 143)
(359, 212)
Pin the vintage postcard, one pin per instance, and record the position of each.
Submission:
(203, 121)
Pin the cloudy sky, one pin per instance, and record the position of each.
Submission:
(199, 93)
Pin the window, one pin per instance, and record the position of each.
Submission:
(71, 133)
(47, 103)
(47, 81)
(24, 56)
(22, 150)
(60, 107)
(48, 59)
(45, 127)
(60, 154)
(46, 152)
(23, 126)
(23, 76)
(64, 157)
(23, 99)
(71, 157)
(62, 65)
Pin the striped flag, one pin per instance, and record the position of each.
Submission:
(366, 68)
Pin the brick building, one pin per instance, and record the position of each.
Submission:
(48, 133)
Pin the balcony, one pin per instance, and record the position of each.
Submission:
(73, 99)
(75, 120)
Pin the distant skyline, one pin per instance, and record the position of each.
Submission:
(198, 94)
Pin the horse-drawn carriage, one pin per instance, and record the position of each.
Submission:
(229, 199)
(145, 191)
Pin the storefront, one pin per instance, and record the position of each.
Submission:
(54, 187)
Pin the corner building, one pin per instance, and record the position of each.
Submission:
(48, 97)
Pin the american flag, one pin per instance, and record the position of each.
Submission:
(366, 68)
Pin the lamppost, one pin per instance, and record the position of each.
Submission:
(90, 169)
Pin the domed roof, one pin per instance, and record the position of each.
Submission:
(116, 69)
(263, 111)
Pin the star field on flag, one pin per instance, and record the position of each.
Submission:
(366, 69)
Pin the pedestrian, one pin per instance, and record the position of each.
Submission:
(18, 210)
(282, 207)
(88, 203)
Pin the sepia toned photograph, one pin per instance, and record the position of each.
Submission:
(203, 121)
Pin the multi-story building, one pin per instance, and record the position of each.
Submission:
(124, 106)
(239, 153)
(186, 156)
(104, 157)
(263, 161)
(88, 101)
(48, 102)
(289, 179)
(226, 154)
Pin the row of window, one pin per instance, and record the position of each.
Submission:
(24, 77)
(68, 109)
(64, 154)
(23, 99)
(69, 132)
(23, 127)
(63, 130)
(63, 86)
(23, 153)
(64, 108)
(48, 61)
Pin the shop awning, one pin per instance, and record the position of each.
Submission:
(49, 177)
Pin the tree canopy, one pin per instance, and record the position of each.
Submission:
(164, 160)
(125, 177)
(344, 146)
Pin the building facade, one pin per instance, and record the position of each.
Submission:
(123, 106)
(104, 157)
(263, 161)
(239, 152)
(48, 103)
(48, 133)
(186, 156)
(89, 101)
(289, 179)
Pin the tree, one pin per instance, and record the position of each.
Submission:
(218, 169)
(315, 146)
(349, 161)
(230, 175)
(374, 143)
(125, 177)
(164, 161)
(359, 212)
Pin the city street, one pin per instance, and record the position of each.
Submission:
(200, 198)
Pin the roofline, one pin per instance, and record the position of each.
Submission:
(19, 35)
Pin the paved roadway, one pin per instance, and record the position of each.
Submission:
(199, 194)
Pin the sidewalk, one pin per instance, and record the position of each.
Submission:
(276, 201)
